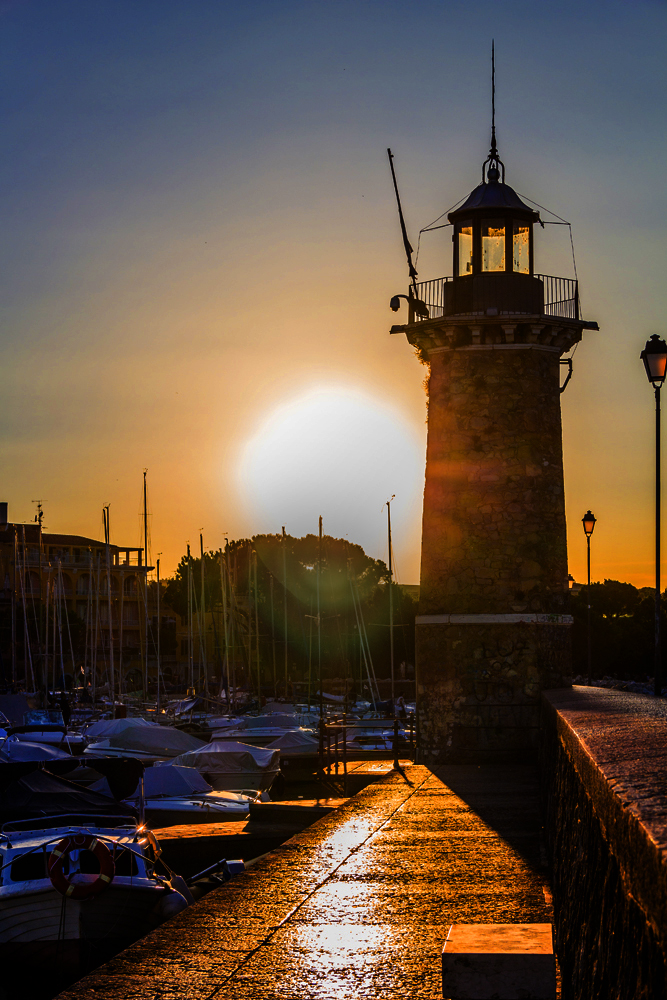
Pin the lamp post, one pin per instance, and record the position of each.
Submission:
(588, 521)
(654, 357)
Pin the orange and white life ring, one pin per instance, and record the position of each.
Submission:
(81, 890)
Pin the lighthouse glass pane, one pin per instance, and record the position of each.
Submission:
(465, 249)
(493, 245)
(521, 248)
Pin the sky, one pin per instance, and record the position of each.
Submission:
(198, 244)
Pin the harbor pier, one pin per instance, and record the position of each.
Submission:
(358, 904)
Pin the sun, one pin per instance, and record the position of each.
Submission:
(337, 452)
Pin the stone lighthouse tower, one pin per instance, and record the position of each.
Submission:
(493, 628)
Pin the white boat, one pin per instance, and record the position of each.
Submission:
(261, 730)
(231, 766)
(13, 750)
(107, 728)
(52, 865)
(147, 743)
(48, 727)
(175, 795)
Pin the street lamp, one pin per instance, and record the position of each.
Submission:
(654, 357)
(588, 521)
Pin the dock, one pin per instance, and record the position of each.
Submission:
(359, 903)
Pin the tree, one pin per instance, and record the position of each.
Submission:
(259, 598)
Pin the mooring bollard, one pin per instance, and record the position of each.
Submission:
(499, 960)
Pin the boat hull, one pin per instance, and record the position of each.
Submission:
(39, 914)
(259, 781)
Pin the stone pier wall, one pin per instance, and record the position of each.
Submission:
(604, 767)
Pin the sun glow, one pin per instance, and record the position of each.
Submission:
(339, 453)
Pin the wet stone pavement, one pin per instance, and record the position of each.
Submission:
(357, 905)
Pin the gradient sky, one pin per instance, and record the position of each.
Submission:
(199, 242)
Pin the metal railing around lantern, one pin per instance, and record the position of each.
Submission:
(497, 294)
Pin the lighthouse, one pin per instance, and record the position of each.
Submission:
(493, 625)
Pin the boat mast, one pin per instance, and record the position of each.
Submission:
(223, 587)
(285, 600)
(202, 638)
(259, 676)
(145, 588)
(158, 635)
(319, 619)
(391, 610)
(107, 539)
(14, 614)
(97, 629)
(273, 637)
(191, 666)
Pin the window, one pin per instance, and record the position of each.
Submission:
(465, 249)
(493, 245)
(521, 245)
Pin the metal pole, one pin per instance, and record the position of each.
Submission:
(145, 589)
(658, 655)
(259, 674)
(112, 678)
(273, 637)
(285, 600)
(319, 619)
(202, 611)
(590, 671)
(158, 636)
(391, 613)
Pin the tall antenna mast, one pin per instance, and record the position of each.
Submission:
(493, 97)
(491, 168)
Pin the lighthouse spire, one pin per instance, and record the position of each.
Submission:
(492, 164)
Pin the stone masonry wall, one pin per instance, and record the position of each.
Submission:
(494, 508)
(479, 688)
(604, 771)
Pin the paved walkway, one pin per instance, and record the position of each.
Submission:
(358, 905)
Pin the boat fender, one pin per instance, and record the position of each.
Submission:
(171, 903)
(179, 884)
(80, 890)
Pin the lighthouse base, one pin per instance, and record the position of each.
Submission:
(479, 681)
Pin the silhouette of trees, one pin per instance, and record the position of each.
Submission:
(267, 579)
(622, 640)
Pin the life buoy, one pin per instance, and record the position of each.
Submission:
(81, 890)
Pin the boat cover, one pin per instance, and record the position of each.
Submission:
(39, 794)
(295, 742)
(19, 750)
(13, 707)
(281, 707)
(111, 727)
(276, 721)
(172, 781)
(162, 741)
(228, 757)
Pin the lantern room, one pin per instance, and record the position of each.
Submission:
(493, 230)
(493, 270)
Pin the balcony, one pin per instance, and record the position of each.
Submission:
(498, 294)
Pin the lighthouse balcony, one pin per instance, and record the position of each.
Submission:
(500, 294)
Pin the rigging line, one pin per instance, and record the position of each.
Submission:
(526, 198)
(564, 222)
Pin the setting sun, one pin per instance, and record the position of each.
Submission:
(338, 452)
